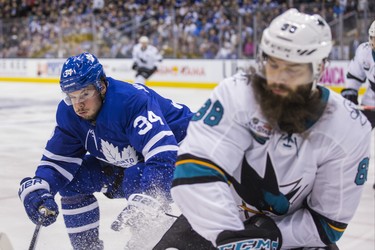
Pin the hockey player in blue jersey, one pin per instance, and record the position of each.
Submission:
(112, 137)
(273, 160)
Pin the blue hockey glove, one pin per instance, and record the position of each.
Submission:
(351, 95)
(260, 233)
(39, 203)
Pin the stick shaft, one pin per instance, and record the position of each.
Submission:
(364, 107)
(35, 236)
(34, 239)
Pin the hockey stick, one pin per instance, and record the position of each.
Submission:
(364, 107)
(34, 239)
(171, 215)
(5, 243)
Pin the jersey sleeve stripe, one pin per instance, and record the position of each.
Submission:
(154, 140)
(336, 228)
(200, 163)
(159, 150)
(62, 171)
(329, 231)
(192, 171)
(52, 156)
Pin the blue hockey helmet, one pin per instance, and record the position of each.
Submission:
(80, 71)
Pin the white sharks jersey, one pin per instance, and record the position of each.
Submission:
(148, 58)
(362, 68)
(233, 164)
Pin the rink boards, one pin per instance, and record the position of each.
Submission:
(190, 73)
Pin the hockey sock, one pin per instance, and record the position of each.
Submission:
(81, 216)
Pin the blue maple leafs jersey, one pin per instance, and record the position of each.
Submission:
(234, 164)
(135, 126)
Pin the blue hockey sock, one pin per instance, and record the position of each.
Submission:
(81, 216)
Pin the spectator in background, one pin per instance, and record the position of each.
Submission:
(226, 52)
(97, 6)
(248, 47)
(354, 44)
(121, 16)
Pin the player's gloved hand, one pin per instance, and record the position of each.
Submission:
(260, 232)
(35, 196)
(135, 66)
(350, 94)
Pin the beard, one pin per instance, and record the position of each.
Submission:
(292, 113)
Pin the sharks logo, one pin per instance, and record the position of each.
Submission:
(263, 192)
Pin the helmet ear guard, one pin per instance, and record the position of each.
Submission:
(80, 71)
(300, 38)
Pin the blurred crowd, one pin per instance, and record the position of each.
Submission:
(209, 29)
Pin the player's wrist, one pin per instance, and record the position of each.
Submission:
(29, 185)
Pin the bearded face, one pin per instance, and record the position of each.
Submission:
(291, 111)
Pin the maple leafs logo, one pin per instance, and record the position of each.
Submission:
(125, 159)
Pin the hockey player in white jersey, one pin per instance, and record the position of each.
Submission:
(146, 59)
(273, 161)
(362, 69)
(112, 137)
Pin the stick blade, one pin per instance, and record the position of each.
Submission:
(5, 242)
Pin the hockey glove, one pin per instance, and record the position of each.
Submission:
(35, 196)
(135, 66)
(260, 232)
(351, 95)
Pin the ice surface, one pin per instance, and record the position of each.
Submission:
(26, 120)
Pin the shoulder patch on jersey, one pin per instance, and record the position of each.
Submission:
(260, 130)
